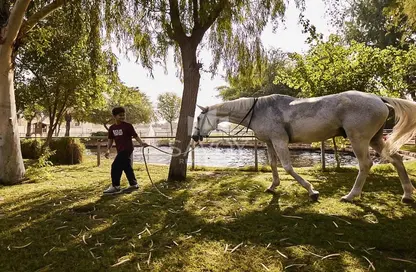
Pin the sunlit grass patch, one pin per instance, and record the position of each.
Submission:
(217, 220)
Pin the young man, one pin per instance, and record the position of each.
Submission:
(122, 133)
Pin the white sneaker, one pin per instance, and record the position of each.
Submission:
(112, 190)
(131, 188)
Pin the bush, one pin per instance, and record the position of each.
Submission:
(165, 142)
(99, 133)
(31, 148)
(67, 151)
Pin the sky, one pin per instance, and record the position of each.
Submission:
(288, 38)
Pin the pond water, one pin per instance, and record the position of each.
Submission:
(241, 157)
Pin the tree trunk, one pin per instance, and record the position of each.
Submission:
(12, 169)
(171, 129)
(58, 130)
(323, 155)
(68, 119)
(29, 128)
(178, 164)
(336, 154)
(49, 136)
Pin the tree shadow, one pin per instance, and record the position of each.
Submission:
(80, 227)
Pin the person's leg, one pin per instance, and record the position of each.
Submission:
(128, 169)
(117, 169)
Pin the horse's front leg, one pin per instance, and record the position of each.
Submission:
(273, 164)
(282, 150)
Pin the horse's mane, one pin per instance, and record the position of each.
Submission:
(238, 105)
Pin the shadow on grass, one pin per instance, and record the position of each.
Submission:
(217, 222)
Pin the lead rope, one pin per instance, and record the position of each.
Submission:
(147, 168)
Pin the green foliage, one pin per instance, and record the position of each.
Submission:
(57, 68)
(137, 104)
(165, 142)
(31, 148)
(99, 133)
(67, 151)
(150, 28)
(341, 143)
(332, 67)
(409, 8)
(40, 169)
(231, 30)
(377, 23)
(44, 159)
(168, 107)
(259, 80)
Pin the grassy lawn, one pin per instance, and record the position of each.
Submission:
(411, 148)
(218, 220)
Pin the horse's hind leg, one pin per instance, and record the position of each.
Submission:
(273, 164)
(377, 144)
(360, 147)
(282, 151)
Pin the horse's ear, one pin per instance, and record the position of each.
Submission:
(203, 109)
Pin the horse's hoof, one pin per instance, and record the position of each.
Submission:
(314, 197)
(345, 200)
(270, 191)
(406, 200)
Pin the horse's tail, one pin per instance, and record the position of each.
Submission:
(405, 127)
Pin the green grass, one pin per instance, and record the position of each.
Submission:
(411, 148)
(218, 220)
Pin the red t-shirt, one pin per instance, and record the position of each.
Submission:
(122, 134)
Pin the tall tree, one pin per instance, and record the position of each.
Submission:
(168, 105)
(58, 56)
(28, 97)
(231, 28)
(15, 23)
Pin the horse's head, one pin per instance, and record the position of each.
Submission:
(207, 121)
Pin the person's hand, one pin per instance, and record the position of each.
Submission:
(145, 144)
(107, 154)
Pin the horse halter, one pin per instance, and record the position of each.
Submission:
(198, 137)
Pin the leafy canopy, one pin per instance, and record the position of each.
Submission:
(138, 106)
(168, 105)
(57, 71)
(332, 67)
(258, 81)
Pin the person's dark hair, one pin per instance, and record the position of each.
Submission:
(118, 110)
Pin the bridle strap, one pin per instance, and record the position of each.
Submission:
(251, 117)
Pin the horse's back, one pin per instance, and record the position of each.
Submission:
(319, 118)
(359, 109)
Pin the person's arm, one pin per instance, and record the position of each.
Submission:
(141, 141)
(136, 136)
(109, 145)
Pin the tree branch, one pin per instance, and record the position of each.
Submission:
(41, 80)
(35, 18)
(178, 32)
(199, 30)
(15, 22)
(197, 23)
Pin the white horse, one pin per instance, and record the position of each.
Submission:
(279, 120)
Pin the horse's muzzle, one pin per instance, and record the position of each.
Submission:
(197, 138)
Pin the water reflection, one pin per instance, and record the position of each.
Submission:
(241, 157)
